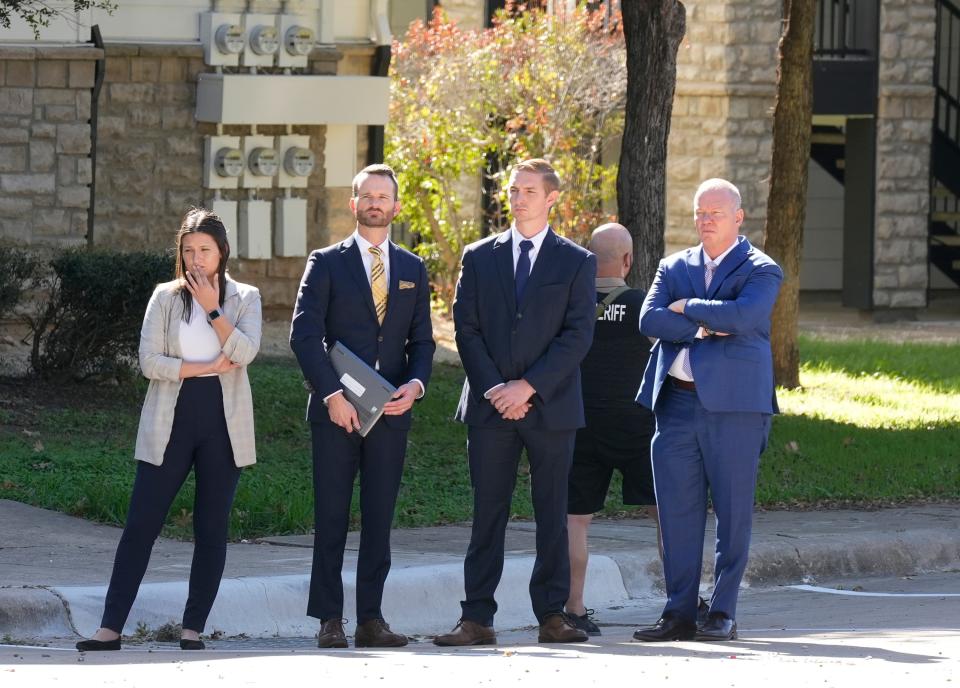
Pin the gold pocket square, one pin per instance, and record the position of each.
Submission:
(407, 285)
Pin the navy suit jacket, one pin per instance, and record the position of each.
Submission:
(335, 303)
(542, 339)
(733, 373)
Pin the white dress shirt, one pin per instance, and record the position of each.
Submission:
(676, 370)
(516, 237)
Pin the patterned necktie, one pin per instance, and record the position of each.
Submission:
(523, 268)
(378, 283)
(684, 355)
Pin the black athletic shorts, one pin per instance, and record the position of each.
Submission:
(611, 440)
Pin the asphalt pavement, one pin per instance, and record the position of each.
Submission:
(54, 569)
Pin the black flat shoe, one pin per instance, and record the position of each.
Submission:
(192, 644)
(668, 627)
(98, 645)
(719, 627)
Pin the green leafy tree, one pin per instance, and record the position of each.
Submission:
(38, 14)
(470, 103)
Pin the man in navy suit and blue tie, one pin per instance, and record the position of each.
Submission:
(710, 384)
(524, 316)
(373, 297)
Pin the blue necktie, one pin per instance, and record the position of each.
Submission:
(523, 268)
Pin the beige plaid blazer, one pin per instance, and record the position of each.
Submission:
(160, 362)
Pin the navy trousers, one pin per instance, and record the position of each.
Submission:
(494, 456)
(337, 457)
(198, 440)
(695, 450)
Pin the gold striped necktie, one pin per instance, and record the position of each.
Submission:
(378, 283)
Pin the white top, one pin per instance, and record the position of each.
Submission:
(367, 257)
(537, 239)
(676, 370)
(198, 340)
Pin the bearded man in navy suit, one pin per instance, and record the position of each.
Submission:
(373, 297)
(709, 382)
(524, 316)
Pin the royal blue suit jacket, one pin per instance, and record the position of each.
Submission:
(733, 373)
(542, 339)
(335, 303)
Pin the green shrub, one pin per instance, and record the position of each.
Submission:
(90, 323)
(18, 268)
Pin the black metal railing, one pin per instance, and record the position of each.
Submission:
(845, 28)
(946, 71)
(944, 234)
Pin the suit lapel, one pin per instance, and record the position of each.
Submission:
(503, 259)
(351, 255)
(545, 257)
(733, 260)
(695, 271)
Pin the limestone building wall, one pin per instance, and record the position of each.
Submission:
(722, 124)
(45, 142)
(149, 153)
(904, 135)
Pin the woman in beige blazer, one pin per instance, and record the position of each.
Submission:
(199, 334)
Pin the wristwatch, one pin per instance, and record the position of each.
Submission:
(214, 314)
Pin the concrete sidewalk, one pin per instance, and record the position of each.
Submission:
(54, 569)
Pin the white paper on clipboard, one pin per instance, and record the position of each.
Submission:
(352, 384)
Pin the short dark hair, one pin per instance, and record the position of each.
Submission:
(378, 169)
(551, 180)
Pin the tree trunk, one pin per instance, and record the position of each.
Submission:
(786, 205)
(653, 30)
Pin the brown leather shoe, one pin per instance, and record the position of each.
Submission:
(331, 634)
(377, 633)
(557, 628)
(467, 633)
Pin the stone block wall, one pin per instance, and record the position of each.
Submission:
(150, 161)
(149, 153)
(904, 133)
(722, 122)
(45, 141)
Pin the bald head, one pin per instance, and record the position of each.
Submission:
(613, 246)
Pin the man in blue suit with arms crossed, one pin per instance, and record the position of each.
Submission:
(710, 384)
(373, 297)
(524, 315)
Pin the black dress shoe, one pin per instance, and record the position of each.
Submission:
(668, 627)
(719, 626)
(98, 645)
(186, 644)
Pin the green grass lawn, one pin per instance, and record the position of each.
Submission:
(874, 423)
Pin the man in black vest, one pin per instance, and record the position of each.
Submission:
(618, 430)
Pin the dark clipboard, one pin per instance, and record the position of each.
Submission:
(363, 386)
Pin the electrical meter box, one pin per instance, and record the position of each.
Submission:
(297, 161)
(290, 227)
(253, 230)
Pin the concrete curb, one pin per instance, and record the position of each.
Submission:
(418, 600)
(33, 613)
